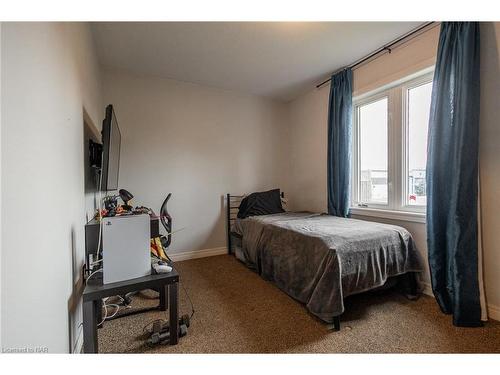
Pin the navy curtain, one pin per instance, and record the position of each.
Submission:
(452, 174)
(339, 143)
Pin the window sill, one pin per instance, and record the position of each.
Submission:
(416, 217)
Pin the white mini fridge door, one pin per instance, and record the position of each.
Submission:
(125, 247)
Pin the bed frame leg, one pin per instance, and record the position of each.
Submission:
(413, 284)
(336, 323)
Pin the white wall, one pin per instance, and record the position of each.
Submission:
(198, 143)
(308, 141)
(49, 74)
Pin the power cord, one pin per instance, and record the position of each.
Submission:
(117, 308)
(106, 305)
(151, 323)
(189, 299)
(182, 286)
(164, 320)
(105, 313)
(92, 274)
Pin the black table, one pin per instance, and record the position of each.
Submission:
(166, 284)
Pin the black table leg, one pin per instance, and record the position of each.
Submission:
(90, 313)
(99, 316)
(163, 298)
(174, 313)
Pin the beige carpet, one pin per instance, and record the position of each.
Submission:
(238, 312)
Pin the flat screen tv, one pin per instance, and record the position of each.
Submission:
(111, 139)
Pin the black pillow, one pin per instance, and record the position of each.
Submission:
(261, 203)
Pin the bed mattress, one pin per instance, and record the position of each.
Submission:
(320, 259)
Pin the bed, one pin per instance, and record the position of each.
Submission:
(320, 259)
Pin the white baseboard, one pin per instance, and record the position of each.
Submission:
(493, 311)
(185, 255)
(427, 289)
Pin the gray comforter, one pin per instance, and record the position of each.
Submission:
(320, 259)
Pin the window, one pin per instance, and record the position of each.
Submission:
(390, 147)
(373, 151)
(418, 103)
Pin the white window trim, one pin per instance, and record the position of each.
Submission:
(416, 217)
(397, 132)
(355, 162)
(419, 81)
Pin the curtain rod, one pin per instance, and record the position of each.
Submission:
(386, 47)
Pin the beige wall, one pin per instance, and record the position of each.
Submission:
(198, 143)
(489, 159)
(410, 57)
(49, 74)
(308, 136)
(307, 121)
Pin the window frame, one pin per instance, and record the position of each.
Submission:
(406, 87)
(355, 180)
(397, 149)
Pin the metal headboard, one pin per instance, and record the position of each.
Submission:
(232, 205)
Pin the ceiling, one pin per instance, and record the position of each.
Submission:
(280, 60)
